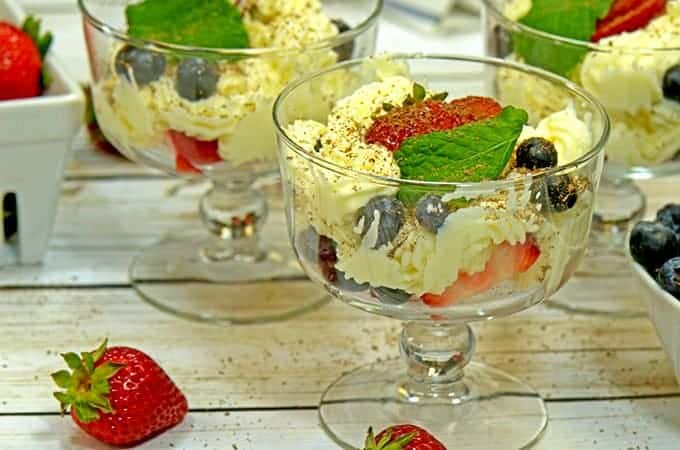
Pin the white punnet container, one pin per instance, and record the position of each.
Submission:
(664, 310)
(35, 138)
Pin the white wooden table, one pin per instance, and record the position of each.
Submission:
(607, 381)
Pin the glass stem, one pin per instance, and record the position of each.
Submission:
(234, 213)
(436, 355)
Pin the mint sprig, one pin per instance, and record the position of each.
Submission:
(574, 19)
(471, 153)
(199, 23)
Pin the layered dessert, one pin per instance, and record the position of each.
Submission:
(368, 218)
(628, 57)
(209, 110)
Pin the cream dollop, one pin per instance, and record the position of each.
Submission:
(246, 89)
(627, 76)
(428, 263)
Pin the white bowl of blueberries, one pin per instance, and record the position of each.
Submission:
(655, 250)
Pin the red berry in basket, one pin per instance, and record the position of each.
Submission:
(393, 128)
(191, 153)
(119, 395)
(627, 15)
(505, 263)
(402, 437)
(20, 64)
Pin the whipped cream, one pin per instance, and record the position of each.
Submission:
(137, 117)
(417, 260)
(626, 76)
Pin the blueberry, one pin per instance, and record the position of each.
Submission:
(431, 212)
(652, 244)
(391, 296)
(346, 50)
(536, 153)
(671, 83)
(197, 79)
(146, 66)
(669, 215)
(561, 193)
(390, 213)
(669, 277)
(347, 284)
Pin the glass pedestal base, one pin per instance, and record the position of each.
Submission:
(491, 409)
(180, 277)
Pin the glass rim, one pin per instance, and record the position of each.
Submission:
(486, 185)
(514, 25)
(165, 47)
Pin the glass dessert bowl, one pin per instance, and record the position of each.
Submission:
(630, 61)
(439, 213)
(188, 87)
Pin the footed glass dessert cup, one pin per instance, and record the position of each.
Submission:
(635, 73)
(188, 87)
(437, 255)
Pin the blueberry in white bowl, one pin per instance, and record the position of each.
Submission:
(652, 244)
(669, 277)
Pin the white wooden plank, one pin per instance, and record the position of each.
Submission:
(289, 364)
(101, 226)
(608, 425)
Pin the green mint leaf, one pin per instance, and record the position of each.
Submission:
(200, 23)
(575, 19)
(419, 92)
(471, 153)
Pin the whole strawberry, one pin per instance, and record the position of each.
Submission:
(402, 437)
(21, 54)
(119, 395)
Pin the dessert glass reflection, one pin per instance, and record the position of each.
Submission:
(411, 193)
(191, 94)
(633, 67)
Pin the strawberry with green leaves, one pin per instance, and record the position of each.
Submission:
(119, 395)
(402, 437)
(22, 51)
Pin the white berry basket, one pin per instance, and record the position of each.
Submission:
(35, 138)
(664, 310)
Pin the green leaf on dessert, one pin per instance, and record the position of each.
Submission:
(574, 19)
(419, 92)
(440, 97)
(199, 23)
(471, 153)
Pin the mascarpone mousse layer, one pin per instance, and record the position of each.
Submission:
(238, 115)
(626, 76)
(419, 261)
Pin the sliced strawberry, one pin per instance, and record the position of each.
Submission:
(193, 150)
(505, 263)
(392, 129)
(627, 15)
(183, 165)
(464, 287)
(472, 109)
